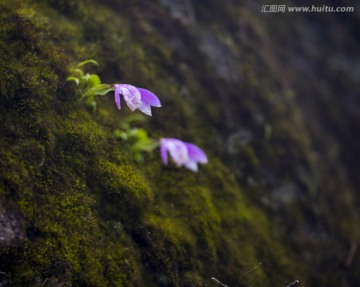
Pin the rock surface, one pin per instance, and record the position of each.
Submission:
(272, 99)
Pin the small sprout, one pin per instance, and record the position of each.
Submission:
(126, 122)
(89, 84)
(139, 140)
(182, 153)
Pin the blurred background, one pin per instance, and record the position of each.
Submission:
(272, 98)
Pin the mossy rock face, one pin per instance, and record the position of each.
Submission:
(77, 209)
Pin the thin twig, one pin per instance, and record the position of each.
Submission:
(218, 282)
(257, 266)
(293, 283)
(351, 253)
(246, 273)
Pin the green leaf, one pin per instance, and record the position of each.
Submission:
(76, 80)
(90, 61)
(117, 133)
(90, 102)
(104, 91)
(153, 145)
(79, 73)
(86, 77)
(148, 146)
(125, 125)
(124, 136)
(101, 89)
(135, 117)
(139, 134)
(120, 135)
(93, 80)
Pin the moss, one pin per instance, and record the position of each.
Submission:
(122, 191)
(92, 216)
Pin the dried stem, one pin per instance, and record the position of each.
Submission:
(246, 273)
(293, 283)
(257, 266)
(219, 282)
(351, 253)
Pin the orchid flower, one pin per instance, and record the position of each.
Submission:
(182, 153)
(136, 98)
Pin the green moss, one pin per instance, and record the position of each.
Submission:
(92, 216)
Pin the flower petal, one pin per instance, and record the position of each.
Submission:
(163, 151)
(117, 97)
(177, 150)
(149, 98)
(131, 96)
(145, 108)
(192, 165)
(196, 153)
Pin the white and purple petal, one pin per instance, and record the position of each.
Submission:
(163, 151)
(145, 108)
(192, 165)
(182, 153)
(136, 98)
(149, 98)
(131, 96)
(176, 149)
(117, 96)
(196, 153)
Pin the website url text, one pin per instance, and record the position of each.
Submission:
(305, 9)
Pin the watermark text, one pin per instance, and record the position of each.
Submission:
(305, 9)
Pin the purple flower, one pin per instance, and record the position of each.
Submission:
(182, 153)
(136, 98)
